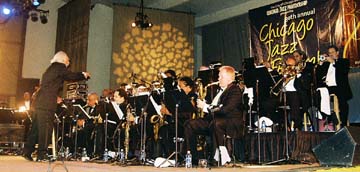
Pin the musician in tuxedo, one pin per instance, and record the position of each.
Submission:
(45, 104)
(120, 112)
(333, 74)
(170, 80)
(185, 98)
(225, 115)
(87, 123)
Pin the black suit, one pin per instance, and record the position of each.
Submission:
(342, 89)
(227, 120)
(45, 106)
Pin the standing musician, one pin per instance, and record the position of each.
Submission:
(45, 104)
(227, 118)
(333, 74)
(303, 80)
(290, 74)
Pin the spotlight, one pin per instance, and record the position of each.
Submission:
(5, 10)
(35, 2)
(34, 17)
(43, 18)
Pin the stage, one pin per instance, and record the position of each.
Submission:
(272, 148)
(19, 164)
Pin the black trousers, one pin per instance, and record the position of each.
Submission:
(293, 100)
(193, 128)
(40, 132)
(216, 129)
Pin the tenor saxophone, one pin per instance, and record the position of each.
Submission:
(127, 131)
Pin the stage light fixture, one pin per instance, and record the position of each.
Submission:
(34, 16)
(141, 21)
(35, 2)
(5, 10)
(43, 17)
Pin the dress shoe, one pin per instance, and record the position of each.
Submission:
(28, 157)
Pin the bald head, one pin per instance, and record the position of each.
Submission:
(92, 99)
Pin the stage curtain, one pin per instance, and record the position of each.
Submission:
(144, 53)
(273, 146)
(226, 41)
(72, 32)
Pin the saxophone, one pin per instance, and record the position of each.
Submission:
(201, 94)
(127, 130)
(157, 121)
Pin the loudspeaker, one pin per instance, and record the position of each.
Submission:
(340, 149)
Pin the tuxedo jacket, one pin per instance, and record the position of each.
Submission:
(231, 101)
(51, 83)
(342, 67)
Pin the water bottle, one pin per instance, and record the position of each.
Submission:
(188, 160)
(106, 155)
(84, 156)
(67, 152)
(263, 126)
(122, 156)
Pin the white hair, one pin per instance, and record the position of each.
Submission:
(59, 57)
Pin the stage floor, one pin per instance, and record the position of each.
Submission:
(19, 164)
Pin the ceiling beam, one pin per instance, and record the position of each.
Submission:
(165, 4)
(226, 13)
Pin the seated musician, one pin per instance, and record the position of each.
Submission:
(119, 113)
(227, 118)
(185, 98)
(86, 125)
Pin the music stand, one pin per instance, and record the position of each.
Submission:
(287, 157)
(176, 142)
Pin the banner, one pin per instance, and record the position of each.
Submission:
(277, 30)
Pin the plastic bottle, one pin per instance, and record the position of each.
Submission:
(122, 156)
(188, 160)
(84, 156)
(263, 126)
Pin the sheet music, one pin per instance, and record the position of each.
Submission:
(156, 106)
(82, 109)
(118, 111)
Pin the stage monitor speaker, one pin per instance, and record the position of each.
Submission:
(341, 149)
